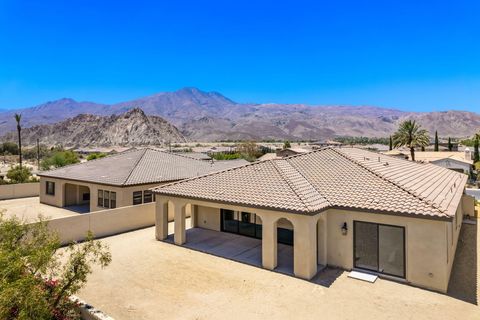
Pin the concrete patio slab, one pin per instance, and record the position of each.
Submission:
(29, 209)
(235, 247)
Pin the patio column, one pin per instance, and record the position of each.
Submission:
(161, 218)
(305, 247)
(179, 236)
(269, 243)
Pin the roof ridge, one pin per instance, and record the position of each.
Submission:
(411, 192)
(135, 165)
(309, 203)
(175, 154)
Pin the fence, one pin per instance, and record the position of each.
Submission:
(20, 190)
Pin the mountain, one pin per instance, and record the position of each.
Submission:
(132, 128)
(210, 116)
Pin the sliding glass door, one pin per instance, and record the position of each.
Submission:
(379, 248)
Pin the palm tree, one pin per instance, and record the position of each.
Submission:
(18, 117)
(411, 135)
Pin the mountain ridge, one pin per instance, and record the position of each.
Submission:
(132, 128)
(190, 108)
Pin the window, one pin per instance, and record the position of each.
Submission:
(147, 196)
(100, 198)
(137, 197)
(106, 199)
(51, 188)
(113, 200)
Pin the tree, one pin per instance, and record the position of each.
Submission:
(476, 155)
(435, 148)
(18, 117)
(9, 148)
(19, 174)
(450, 145)
(390, 144)
(286, 145)
(94, 156)
(59, 159)
(411, 135)
(34, 284)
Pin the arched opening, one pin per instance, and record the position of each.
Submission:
(285, 232)
(77, 198)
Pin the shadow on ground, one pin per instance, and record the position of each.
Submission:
(463, 279)
(249, 251)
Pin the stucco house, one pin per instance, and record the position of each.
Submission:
(123, 179)
(461, 161)
(341, 207)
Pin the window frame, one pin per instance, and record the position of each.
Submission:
(147, 193)
(47, 188)
(113, 199)
(100, 202)
(137, 195)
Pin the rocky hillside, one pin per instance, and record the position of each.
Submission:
(132, 128)
(209, 116)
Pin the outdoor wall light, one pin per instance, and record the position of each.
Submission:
(344, 229)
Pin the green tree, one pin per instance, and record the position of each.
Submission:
(9, 148)
(18, 117)
(450, 145)
(286, 145)
(390, 144)
(19, 174)
(476, 155)
(410, 135)
(59, 159)
(34, 283)
(435, 148)
(94, 156)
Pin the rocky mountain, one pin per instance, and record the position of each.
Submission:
(209, 116)
(132, 128)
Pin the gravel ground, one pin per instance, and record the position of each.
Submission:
(149, 279)
(30, 208)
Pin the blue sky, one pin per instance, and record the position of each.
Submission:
(411, 55)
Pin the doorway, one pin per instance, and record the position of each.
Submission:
(379, 248)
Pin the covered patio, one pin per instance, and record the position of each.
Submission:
(235, 247)
(301, 258)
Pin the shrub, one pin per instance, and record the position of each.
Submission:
(59, 159)
(19, 175)
(94, 156)
(34, 284)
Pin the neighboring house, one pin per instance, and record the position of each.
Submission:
(342, 207)
(123, 179)
(326, 143)
(454, 160)
(287, 152)
(396, 154)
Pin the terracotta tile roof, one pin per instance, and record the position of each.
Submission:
(332, 178)
(141, 166)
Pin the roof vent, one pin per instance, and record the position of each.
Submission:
(385, 164)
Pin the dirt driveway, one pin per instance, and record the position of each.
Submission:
(149, 279)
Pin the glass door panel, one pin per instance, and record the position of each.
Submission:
(366, 245)
(391, 250)
(245, 226)
(229, 223)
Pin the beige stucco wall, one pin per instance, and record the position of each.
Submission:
(430, 244)
(20, 190)
(69, 192)
(104, 223)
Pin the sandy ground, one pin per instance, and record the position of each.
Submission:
(149, 279)
(30, 208)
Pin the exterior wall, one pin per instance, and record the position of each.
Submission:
(208, 218)
(429, 244)
(20, 190)
(453, 164)
(428, 254)
(103, 223)
(69, 192)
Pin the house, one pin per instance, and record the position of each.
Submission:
(454, 160)
(341, 207)
(123, 179)
(396, 154)
(287, 152)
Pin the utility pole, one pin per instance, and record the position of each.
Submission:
(38, 154)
